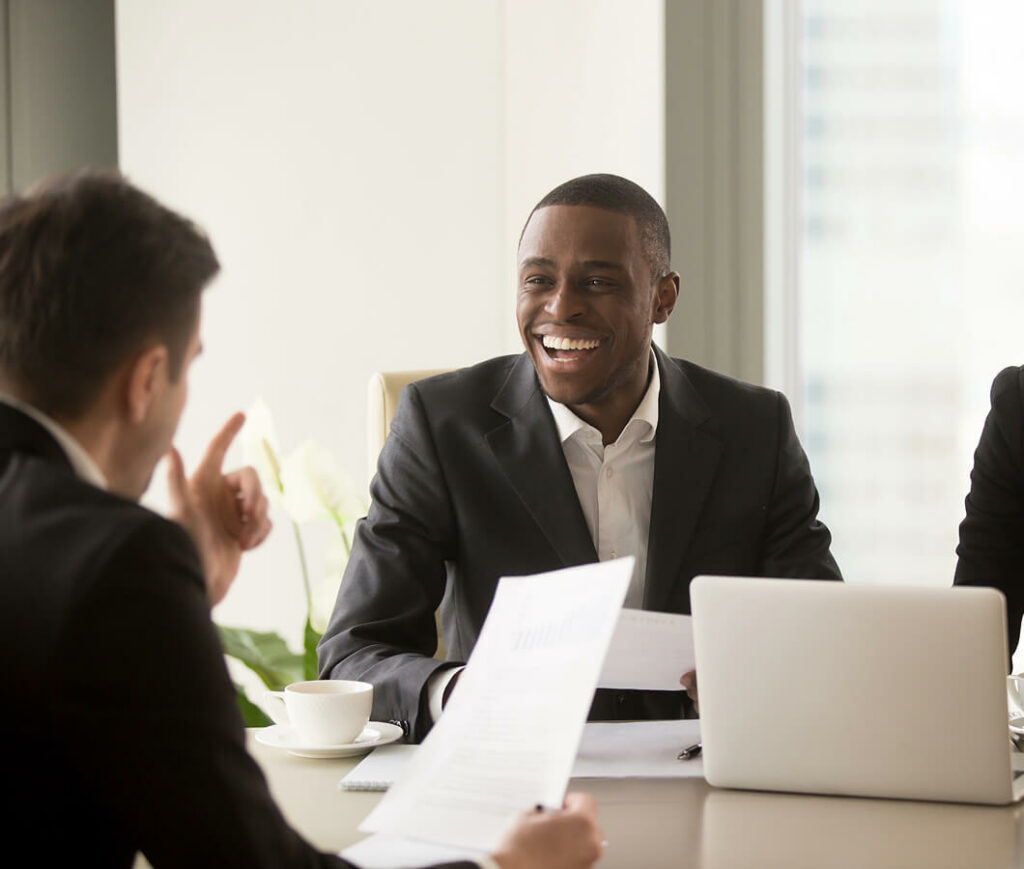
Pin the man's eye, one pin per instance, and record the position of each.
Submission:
(598, 283)
(536, 281)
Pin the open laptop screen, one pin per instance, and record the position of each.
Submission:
(822, 687)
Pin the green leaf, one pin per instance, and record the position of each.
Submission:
(310, 638)
(252, 715)
(265, 653)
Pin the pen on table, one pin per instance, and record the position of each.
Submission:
(690, 752)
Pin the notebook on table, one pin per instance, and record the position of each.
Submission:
(832, 688)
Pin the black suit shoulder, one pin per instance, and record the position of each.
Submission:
(1007, 397)
(991, 547)
(116, 694)
(463, 396)
(730, 400)
(66, 543)
(716, 385)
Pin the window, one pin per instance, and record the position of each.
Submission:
(909, 130)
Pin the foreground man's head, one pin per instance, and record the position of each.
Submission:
(100, 291)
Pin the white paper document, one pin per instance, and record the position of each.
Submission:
(509, 734)
(637, 749)
(649, 651)
(607, 749)
(382, 851)
(379, 769)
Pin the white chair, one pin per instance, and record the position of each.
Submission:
(381, 400)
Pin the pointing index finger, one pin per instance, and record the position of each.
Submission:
(218, 448)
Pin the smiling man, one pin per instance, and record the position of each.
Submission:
(592, 445)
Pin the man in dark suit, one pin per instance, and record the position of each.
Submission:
(991, 549)
(117, 711)
(590, 445)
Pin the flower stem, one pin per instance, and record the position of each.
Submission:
(341, 529)
(305, 570)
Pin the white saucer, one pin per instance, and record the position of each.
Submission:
(282, 736)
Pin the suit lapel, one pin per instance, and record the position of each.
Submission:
(528, 450)
(686, 459)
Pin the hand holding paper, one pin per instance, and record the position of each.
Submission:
(554, 840)
(648, 651)
(509, 734)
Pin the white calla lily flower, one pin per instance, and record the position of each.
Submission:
(259, 446)
(316, 487)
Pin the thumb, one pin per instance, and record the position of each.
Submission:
(580, 803)
(177, 485)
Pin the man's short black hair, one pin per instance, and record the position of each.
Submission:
(92, 270)
(615, 193)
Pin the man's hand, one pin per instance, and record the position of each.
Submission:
(554, 840)
(689, 682)
(226, 514)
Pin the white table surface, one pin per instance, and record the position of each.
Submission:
(685, 823)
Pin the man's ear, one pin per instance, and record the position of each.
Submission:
(666, 293)
(145, 377)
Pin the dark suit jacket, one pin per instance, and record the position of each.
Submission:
(118, 719)
(472, 485)
(991, 549)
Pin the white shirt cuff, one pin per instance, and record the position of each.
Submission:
(435, 689)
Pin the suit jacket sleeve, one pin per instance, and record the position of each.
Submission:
(383, 629)
(796, 543)
(991, 548)
(147, 690)
(154, 711)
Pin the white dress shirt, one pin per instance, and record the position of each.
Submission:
(614, 482)
(81, 461)
(614, 485)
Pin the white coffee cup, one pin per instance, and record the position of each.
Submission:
(323, 711)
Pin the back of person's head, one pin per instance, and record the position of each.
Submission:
(93, 271)
(615, 193)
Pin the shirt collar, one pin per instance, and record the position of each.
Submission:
(82, 463)
(568, 423)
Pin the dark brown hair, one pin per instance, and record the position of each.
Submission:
(92, 270)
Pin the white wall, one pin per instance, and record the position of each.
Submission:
(363, 169)
(584, 92)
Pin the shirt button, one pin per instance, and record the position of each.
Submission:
(608, 472)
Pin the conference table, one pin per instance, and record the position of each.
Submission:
(652, 823)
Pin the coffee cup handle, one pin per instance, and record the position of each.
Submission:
(275, 706)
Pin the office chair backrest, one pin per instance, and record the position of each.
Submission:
(381, 400)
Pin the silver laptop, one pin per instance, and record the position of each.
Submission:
(832, 688)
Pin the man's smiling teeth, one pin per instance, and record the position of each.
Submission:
(553, 342)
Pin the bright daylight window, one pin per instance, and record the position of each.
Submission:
(911, 275)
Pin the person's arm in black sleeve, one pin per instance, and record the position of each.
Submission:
(991, 548)
(154, 716)
(160, 736)
(383, 630)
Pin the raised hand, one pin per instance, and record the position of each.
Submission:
(226, 514)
